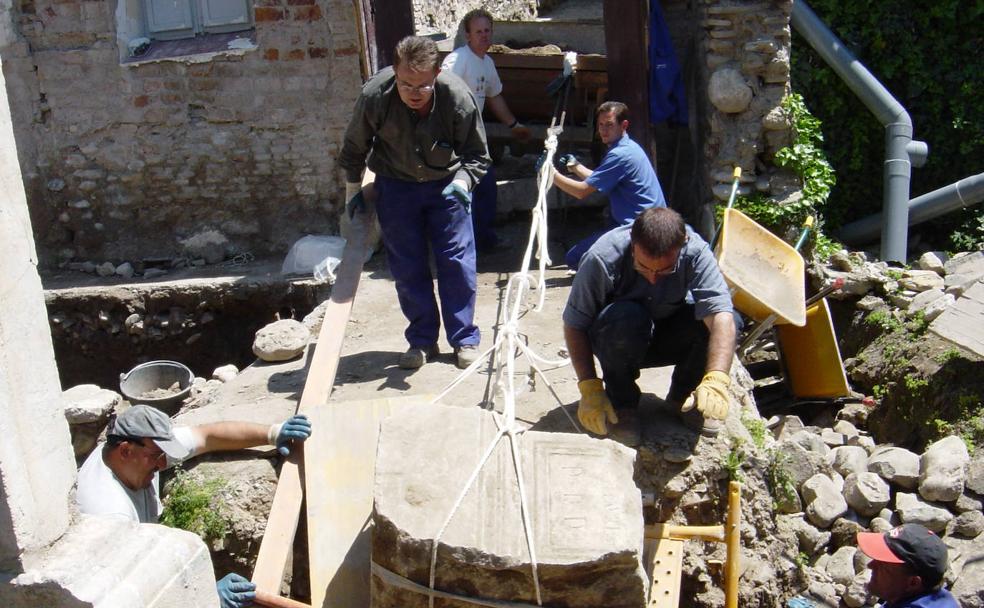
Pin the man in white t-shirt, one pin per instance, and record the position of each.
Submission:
(472, 64)
(120, 477)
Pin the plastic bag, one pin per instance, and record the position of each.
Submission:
(315, 255)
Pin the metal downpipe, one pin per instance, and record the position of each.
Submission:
(964, 193)
(901, 152)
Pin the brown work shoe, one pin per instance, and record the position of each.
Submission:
(628, 429)
(467, 354)
(694, 420)
(416, 356)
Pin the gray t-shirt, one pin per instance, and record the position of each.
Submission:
(100, 492)
(607, 275)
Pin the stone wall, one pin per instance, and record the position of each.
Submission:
(746, 49)
(123, 162)
(442, 16)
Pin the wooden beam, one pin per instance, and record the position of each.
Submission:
(627, 45)
(278, 539)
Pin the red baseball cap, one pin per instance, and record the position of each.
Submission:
(910, 544)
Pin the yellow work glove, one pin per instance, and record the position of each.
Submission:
(711, 396)
(595, 407)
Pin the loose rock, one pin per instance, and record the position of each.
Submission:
(281, 340)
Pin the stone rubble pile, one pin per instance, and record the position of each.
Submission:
(932, 286)
(844, 483)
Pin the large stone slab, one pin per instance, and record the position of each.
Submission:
(961, 323)
(586, 514)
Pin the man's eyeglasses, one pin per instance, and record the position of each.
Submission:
(151, 449)
(422, 89)
(656, 272)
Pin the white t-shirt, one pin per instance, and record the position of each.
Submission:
(479, 74)
(100, 492)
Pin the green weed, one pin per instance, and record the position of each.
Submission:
(191, 505)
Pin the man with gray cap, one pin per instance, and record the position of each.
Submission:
(120, 477)
(907, 567)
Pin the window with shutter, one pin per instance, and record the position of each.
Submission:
(226, 15)
(169, 19)
(176, 19)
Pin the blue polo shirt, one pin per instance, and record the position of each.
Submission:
(607, 274)
(627, 177)
(940, 598)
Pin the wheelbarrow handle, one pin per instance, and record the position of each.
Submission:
(807, 226)
(731, 201)
(767, 324)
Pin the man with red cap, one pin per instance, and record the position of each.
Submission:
(907, 567)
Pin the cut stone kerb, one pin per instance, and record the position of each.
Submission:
(586, 513)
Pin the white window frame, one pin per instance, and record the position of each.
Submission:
(177, 19)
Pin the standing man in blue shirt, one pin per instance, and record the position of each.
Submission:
(419, 130)
(649, 295)
(625, 175)
(472, 64)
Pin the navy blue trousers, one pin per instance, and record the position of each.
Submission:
(484, 199)
(626, 339)
(575, 253)
(414, 217)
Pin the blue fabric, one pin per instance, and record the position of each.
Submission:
(627, 177)
(940, 598)
(573, 256)
(413, 217)
(484, 199)
(667, 97)
(625, 338)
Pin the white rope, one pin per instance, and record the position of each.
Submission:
(392, 579)
(503, 353)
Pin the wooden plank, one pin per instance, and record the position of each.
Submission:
(664, 567)
(341, 458)
(278, 539)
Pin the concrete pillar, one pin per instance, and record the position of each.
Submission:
(37, 468)
(49, 555)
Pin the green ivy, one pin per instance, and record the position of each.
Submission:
(805, 157)
(927, 54)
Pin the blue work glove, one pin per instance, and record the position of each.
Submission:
(354, 201)
(295, 428)
(540, 161)
(235, 591)
(460, 194)
(567, 161)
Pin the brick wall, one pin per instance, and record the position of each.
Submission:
(124, 162)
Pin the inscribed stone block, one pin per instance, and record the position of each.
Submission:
(586, 513)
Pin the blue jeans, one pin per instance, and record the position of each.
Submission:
(575, 253)
(626, 339)
(484, 200)
(413, 218)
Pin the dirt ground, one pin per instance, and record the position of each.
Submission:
(374, 339)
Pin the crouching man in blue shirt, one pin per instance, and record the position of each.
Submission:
(649, 295)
